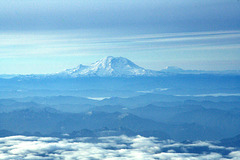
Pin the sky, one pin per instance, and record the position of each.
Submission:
(38, 37)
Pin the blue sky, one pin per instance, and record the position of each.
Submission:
(47, 37)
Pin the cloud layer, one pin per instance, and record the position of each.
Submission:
(119, 147)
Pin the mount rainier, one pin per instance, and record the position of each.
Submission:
(109, 66)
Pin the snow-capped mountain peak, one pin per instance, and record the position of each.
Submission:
(172, 69)
(110, 66)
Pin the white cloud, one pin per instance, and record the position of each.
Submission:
(235, 155)
(108, 148)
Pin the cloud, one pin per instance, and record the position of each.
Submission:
(109, 148)
(235, 155)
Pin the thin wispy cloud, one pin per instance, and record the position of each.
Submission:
(28, 44)
(25, 39)
(193, 38)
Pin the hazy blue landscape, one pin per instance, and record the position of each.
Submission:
(118, 109)
(138, 80)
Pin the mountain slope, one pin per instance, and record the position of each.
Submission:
(109, 66)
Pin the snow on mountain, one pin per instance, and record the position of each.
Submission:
(109, 66)
(172, 69)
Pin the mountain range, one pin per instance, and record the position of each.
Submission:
(177, 120)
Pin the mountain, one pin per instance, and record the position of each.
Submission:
(48, 120)
(172, 69)
(231, 142)
(177, 70)
(225, 122)
(109, 66)
(45, 121)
